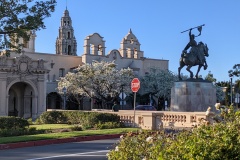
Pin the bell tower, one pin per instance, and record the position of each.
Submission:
(66, 43)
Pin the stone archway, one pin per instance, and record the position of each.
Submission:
(21, 100)
(22, 86)
(54, 101)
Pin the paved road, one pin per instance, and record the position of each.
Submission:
(88, 150)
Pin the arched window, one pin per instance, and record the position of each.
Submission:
(69, 50)
(69, 35)
(99, 49)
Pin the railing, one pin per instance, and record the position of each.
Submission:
(155, 120)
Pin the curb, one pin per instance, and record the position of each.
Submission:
(56, 141)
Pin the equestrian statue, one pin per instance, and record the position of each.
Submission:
(195, 56)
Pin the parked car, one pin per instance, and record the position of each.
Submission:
(145, 107)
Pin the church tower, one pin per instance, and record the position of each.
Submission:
(130, 46)
(66, 43)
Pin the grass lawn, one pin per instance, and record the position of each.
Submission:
(25, 138)
(50, 126)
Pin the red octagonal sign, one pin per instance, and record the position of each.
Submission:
(135, 84)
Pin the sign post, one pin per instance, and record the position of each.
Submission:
(237, 96)
(135, 85)
(122, 96)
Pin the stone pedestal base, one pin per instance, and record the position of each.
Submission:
(187, 96)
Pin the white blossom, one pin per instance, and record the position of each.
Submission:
(208, 111)
(99, 80)
(158, 82)
(121, 137)
(149, 139)
(217, 106)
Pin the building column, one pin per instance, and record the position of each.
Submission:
(3, 99)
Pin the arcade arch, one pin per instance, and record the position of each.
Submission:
(21, 100)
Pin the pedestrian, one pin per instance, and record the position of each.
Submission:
(115, 107)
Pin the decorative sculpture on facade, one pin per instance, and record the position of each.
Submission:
(195, 56)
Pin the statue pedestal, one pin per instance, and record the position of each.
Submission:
(191, 96)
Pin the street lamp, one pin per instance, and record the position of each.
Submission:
(122, 96)
(231, 89)
(64, 90)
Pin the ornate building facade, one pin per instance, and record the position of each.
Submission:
(28, 81)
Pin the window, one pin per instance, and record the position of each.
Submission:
(131, 40)
(61, 72)
(69, 50)
(69, 35)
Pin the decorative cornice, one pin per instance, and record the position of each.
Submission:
(22, 65)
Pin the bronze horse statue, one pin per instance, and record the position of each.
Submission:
(192, 59)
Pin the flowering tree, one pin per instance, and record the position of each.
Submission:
(158, 82)
(19, 17)
(99, 80)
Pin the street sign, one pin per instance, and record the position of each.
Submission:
(237, 98)
(122, 95)
(135, 84)
(122, 102)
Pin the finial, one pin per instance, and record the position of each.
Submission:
(130, 31)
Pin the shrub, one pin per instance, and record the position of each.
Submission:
(89, 119)
(76, 128)
(9, 122)
(38, 121)
(30, 121)
(85, 119)
(53, 117)
(216, 141)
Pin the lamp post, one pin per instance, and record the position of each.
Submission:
(91, 100)
(64, 97)
(122, 96)
(231, 92)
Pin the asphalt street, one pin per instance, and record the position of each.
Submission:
(87, 150)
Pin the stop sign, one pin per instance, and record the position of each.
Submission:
(135, 84)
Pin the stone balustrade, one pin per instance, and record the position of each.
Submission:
(155, 120)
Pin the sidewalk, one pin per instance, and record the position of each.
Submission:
(56, 141)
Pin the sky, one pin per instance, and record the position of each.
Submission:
(157, 24)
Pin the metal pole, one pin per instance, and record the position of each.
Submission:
(122, 98)
(231, 89)
(64, 101)
(134, 108)
(193, 28)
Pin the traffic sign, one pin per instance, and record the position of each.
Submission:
(135, 84)
(122, 102)
(122, 95)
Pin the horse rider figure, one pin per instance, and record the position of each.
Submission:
(194, 47)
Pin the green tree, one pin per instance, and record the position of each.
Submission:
(99, 80)
(235, 71)
(237, 86)
(219, 91)
(18, 18)
(210, 77)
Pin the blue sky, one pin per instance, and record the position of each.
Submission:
(157, 25)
